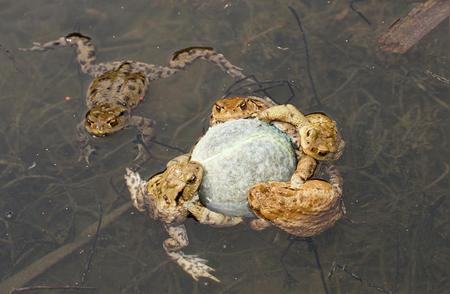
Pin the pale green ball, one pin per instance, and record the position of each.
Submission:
(236, 155)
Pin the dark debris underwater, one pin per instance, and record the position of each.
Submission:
(393, 111)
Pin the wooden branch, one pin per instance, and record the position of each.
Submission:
(44, 263)
(34, 288)
(406, 32)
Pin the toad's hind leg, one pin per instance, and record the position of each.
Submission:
(136, 187)
(192, 264)
(205, 216)
(85, 50)
(182, 58)
(336, 183)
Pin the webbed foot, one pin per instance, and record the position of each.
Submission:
(83, 139)
(36, 47)
(259, 224)
(60, 42)
(142, 154)
(135, 185)
(193, 265)
(145, 127)
(85, 154)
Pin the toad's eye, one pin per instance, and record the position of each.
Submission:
(218, 107)
(89, 121)
(311, 133)
(113, 122)
(192, 179)
(243, 106)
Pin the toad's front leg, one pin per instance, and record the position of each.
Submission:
(305, 169)
(86, 149)
(145, 127)
(192, 264)
(205, 216)
(284, 113)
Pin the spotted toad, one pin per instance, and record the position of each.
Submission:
(119, 86)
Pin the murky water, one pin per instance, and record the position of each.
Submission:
(392, 110)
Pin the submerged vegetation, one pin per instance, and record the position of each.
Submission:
(392, 109)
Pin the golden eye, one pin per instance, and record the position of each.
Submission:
(192, 179)
(113, 122)
(311, 133)
(218, 107)
(88, 120)
(243, 106)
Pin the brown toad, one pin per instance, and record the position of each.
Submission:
(320, 197)
(119, 86)
(301, 209)
(170, 197)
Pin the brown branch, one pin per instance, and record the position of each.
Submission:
(408, 31)
(68, 287)
(44, 263)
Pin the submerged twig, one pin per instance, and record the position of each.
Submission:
(308, 66)
(438, 77)
(312, 247)
(355, 276)
(439, 178)
(241, 87)
(181, 150)
(253, 81)
(27, 177)
(87, 268)
(68, 287)
(259, 35)
(352, 7)
(290, 278)
(11, 58)
(405, 32)
(41, 265)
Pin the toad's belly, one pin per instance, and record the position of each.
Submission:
(236, 155)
